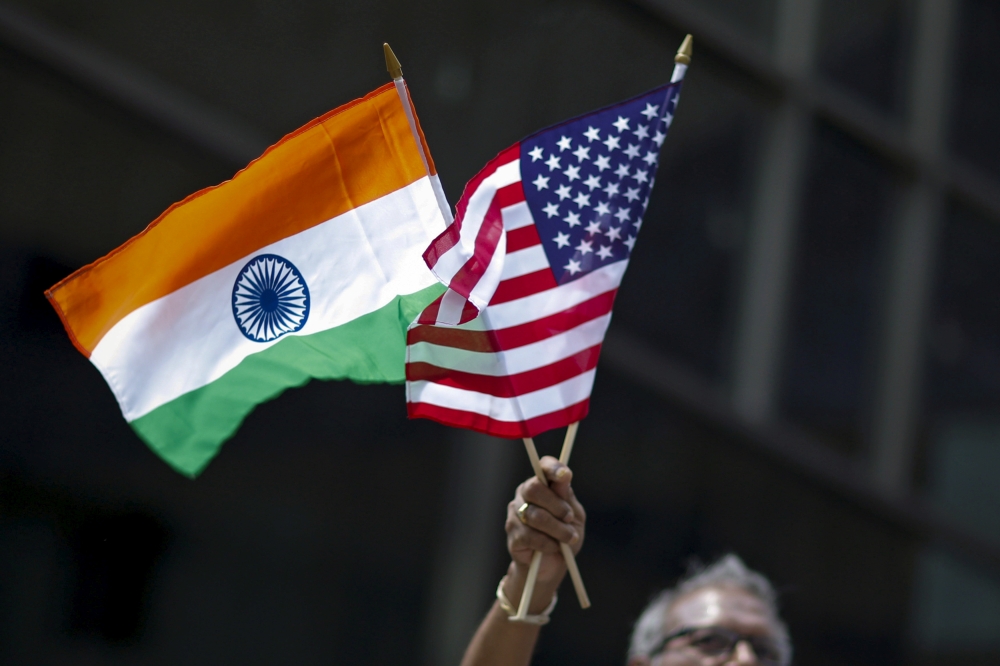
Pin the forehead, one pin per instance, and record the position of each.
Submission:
(730, 607)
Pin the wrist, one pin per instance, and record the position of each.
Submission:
(545, 589)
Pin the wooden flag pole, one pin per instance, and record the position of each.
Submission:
(567, 552)
(396, 72)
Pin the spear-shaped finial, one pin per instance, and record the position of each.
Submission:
(391, 63)
(683, 56)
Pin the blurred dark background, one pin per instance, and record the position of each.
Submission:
(804, 365)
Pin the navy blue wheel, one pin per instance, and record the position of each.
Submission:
(270, 298)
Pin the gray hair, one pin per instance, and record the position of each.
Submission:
(650, 628)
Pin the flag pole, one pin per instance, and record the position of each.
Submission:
(567, 552)
(396, 72)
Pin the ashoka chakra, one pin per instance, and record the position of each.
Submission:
(270, 298)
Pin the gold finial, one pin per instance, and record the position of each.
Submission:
(683, 56)
(391, 64)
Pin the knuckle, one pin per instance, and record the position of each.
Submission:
(533, 493)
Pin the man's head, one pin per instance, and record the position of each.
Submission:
(723, 614)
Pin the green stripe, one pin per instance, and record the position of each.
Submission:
(187, 432)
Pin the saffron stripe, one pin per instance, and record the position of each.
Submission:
(298, 183)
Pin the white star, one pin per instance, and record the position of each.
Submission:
(582, 153)
(613, 233)
(632, 151)
(621, 124)
(542, 182)
(592, 134)
(573, 267)
(612, 142)
(561, 239)
(622, 214)
(592, 182)
(563, 192)
(641, 176)
(650, 111)
(637, 223)
(622, 170)
(564, 143)
(602, 208)
(667, 119)
(552, 162)
(650, 158)
(582, 200)
(572, 172)
(641, 132)
(536, 153)
(630, 242)
(645, 204)
(585, 247)
(572, 219)
(659, 137)
(551, 210)
(593, 228)
(604, 252)
(611, 189)
(602, 162)
(632, 193)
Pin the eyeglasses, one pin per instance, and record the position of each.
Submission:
(720, 642)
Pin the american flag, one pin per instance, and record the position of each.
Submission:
(542, 238)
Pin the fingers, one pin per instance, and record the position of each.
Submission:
(553, 515)
(522, 539)
(555, 471)
(539, 519)
(534, 492)
(559, 475)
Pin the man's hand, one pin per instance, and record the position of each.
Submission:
(554, 515)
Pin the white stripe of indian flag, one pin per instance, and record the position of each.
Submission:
(353, 265)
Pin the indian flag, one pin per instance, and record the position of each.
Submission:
(306, 264)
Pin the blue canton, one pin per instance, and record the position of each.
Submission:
(587, 181)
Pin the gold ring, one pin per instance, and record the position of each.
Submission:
(520, 513)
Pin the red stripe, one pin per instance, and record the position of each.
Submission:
(515, 336)
(509, 195)
(508, 429)
(508, 386)
(546, 327)
(429, 317)
(487, 240)
(430, 313)
(469, 312)
(450, 236)
(522, 238)
(477, 341)
(524, 285)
